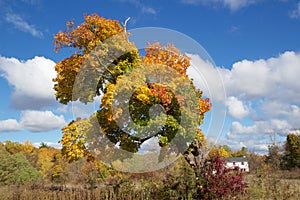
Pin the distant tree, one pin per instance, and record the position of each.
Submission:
(13, 147)
(58, 172)
(274, 157)
(16, 169)
(2, 149)
(292, 151)
(93, 173)
(46, 160)
(220, 150)
(26, 148)
(226, 148)
(43, 145)
(240, 153)
(178, 180)
(256, 161)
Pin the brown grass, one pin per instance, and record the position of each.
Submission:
(275, 186)
(282, 185)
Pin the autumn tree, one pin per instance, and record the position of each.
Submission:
(240, 153)
(274, 157)
(224, 152)
(26, 148)
(45, 161)
(256, 161)
(58, 172)
(142, 96)
(292, 151)
(16, 169)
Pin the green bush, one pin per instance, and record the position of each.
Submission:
(16, 169)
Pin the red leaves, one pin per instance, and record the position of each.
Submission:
(218, 182)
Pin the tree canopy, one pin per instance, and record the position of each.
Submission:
(16, 169)
(142, 96)
(292, 151)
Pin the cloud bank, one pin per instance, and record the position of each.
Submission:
(32, 92)
(263, 97)
(34, 121)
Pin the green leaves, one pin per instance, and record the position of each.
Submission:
(292, 151)
(16, 169)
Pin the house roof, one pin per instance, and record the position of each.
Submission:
(236, 159)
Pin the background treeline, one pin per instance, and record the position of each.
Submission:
(286, 156)
(27, 172)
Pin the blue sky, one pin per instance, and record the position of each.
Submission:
(254, 43)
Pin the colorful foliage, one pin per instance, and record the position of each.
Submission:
(95, 42)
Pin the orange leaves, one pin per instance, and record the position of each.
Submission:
(87, 35)
(83, 39)
(204, 105)
(166, 55)
(62, 39)
(161, 94)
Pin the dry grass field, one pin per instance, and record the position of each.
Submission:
(274, 186)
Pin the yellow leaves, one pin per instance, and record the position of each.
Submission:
(44, 160)
(143, 94)
(70, 24)
(200, 135)
(221, 151)
(61, 39)
(143, 98)
(107, 98)
(67, 71)
(73, 139)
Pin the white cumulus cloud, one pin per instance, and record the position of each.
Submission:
(31, 81)
(236, 108)
(267, 91)
(34, 121)
(10, 125)
(41, 121)
(238, 128)
(207, 77)
(276, 78)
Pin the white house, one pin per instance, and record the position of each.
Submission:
(240, 162)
